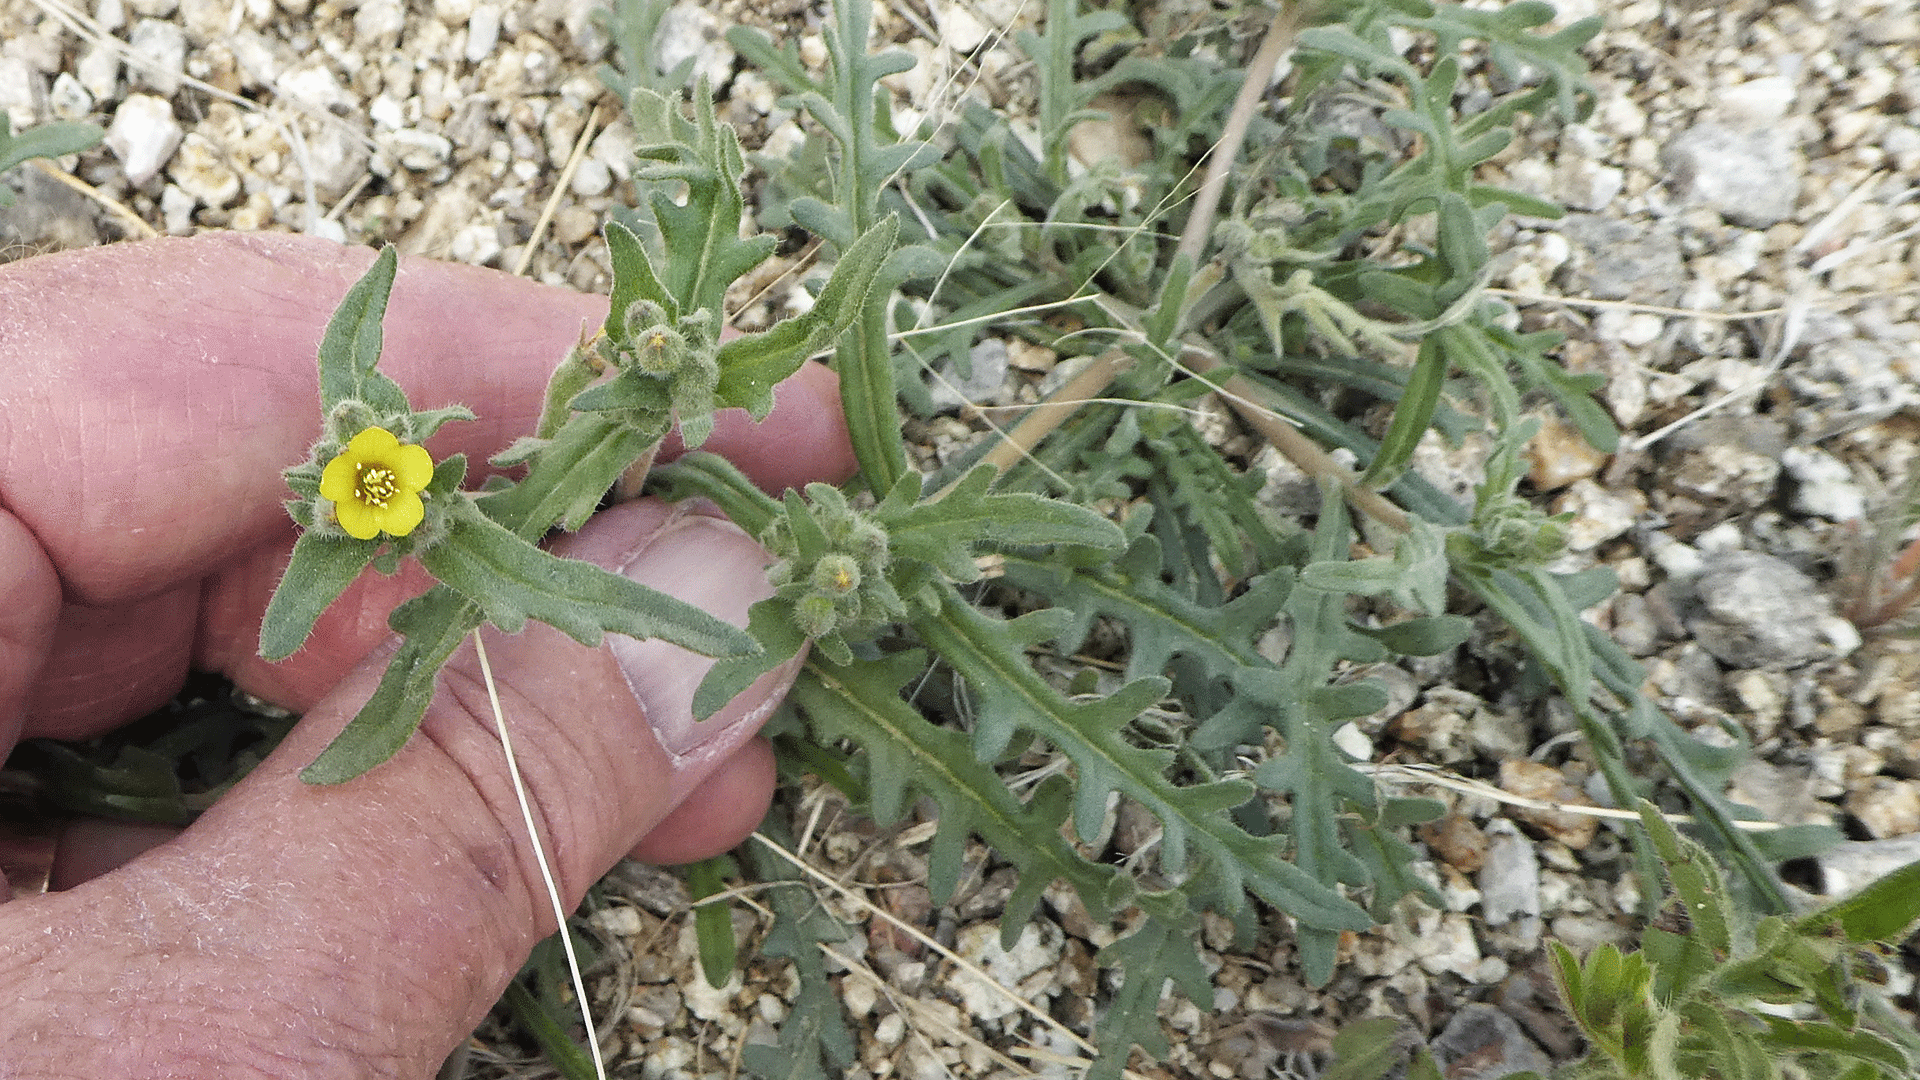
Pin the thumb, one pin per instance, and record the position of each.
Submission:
(376, 921)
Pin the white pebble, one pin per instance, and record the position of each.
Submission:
(143, 136)
(483, 32)
(161, 55)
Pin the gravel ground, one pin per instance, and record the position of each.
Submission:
(1738, 260)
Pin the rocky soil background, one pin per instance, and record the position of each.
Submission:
(1739, 260)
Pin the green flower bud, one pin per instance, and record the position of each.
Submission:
(659, 349)
(815, 615)
(640, 316)
(836, 575)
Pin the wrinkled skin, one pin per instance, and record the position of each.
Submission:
(151, 394)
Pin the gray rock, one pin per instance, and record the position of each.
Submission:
(99, 71)
(691, 32)
(1823, 485)
(984, 383)
(49, 215)
(17, 92)
(1616, 260)
(68, 100)
(1509, 880)
(1726, 459)
(143, 135)
(1482, 1043)
(162, 48)
(1850, 383)
(1749, 175)
(1848, 867)
(1752, 610)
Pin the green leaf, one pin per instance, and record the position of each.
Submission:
(1422, 637)
(1365, 1050)
(1162, 949)
(1884, 911)
(633, 281)
(1826, 1039)
(513, 581)
(991, 656)
(1696, 880)
(320, 570)
(433, 625)
(350, 348)
(49, 140)
(907, 753)
(700, 223)
(713, 922)
(944, 532)
(752, 364)
(569, 476)
(1411, 417)
(710, 476)
(769, 623)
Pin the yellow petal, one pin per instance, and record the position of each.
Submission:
(373, 444)
(361, 521)
(338, 478)
(403, 514)
(412, 466)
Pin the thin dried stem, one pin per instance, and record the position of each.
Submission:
(1206, 202)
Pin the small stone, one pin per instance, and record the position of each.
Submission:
(960, 29)
(1618, 260)
(573, 224)
(1599, 513)
(1544, 783)
(201, 170)
(1752, 610)
(160, 55)
(1447, 944)
(99, 71)
(68, 100)
(1823, 485)
(336, 159)
(1510, 878)
(483, 32)
(591, 179)
(709, 1002)
(1584, 184)
(416, 150)
(1756, 102)
(17, 91)
(1560, 455)
(1437, 727)
(377, 25)
(1457, 842)
(143, 136)
(691, 32)
(1886, 807)
(983, 383)
(1749, 175)
(176, 211)
(1034, 954)
(1482, 1043)
(314, 86)
(1850, 866)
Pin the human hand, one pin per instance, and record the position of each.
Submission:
(151, 395)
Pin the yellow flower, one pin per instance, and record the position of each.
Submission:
(375, 485)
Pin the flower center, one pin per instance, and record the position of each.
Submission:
(375, 484)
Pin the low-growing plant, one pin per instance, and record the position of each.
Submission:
(1338, 303)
